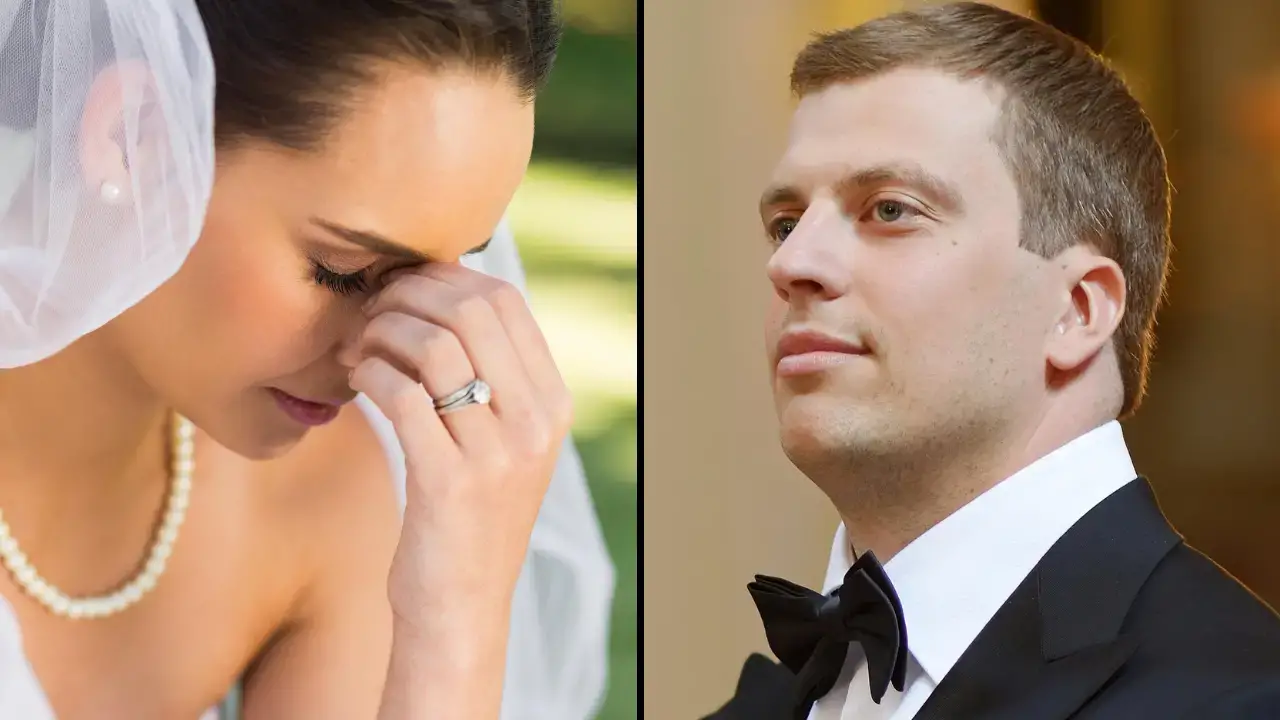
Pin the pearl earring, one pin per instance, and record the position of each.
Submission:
(110, 192)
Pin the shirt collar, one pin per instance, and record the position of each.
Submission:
(952, 579)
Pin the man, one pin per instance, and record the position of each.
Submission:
(970, 227)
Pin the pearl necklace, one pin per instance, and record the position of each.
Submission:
(182, 463)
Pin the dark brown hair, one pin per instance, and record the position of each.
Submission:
(287, 68)
(1085, 158)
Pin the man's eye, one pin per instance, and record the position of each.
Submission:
(781, 228)
(890, 211)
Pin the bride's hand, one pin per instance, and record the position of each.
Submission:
(476, 476)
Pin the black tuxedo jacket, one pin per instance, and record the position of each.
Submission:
(1120, 620)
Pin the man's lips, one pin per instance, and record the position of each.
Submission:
(807, 351)
(809, 341)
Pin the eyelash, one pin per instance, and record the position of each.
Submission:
(347, 285)
(773, 227)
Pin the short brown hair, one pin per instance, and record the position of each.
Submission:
(1085, 158)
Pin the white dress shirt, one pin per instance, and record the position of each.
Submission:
(953, 578)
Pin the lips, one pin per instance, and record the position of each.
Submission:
(804, 342)
(808, 352)
(306, 412)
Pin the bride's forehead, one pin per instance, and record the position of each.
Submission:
(452, 134)
(411, 115)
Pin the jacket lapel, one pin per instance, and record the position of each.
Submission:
(766, 691)
(1058, 639)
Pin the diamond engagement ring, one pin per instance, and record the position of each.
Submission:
(476, 392)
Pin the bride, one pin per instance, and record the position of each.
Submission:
(190, 500)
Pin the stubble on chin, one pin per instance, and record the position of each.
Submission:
(870, 460)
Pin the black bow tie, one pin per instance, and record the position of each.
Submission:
(810, 633)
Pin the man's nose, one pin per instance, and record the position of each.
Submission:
(816, 258)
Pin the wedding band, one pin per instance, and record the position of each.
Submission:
(476, 392)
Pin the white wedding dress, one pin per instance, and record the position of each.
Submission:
(558, 654)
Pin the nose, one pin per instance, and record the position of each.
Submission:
(347, 351)
(815, 260)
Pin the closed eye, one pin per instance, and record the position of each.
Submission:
(345, 284)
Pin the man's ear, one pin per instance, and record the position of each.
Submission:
(1093, 303)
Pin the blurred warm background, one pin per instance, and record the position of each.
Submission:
(721, 501)
(574, 219)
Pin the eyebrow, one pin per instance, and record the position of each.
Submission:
(382, 245)
(945, 194)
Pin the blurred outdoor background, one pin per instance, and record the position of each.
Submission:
(575, 221)
(721, 501)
